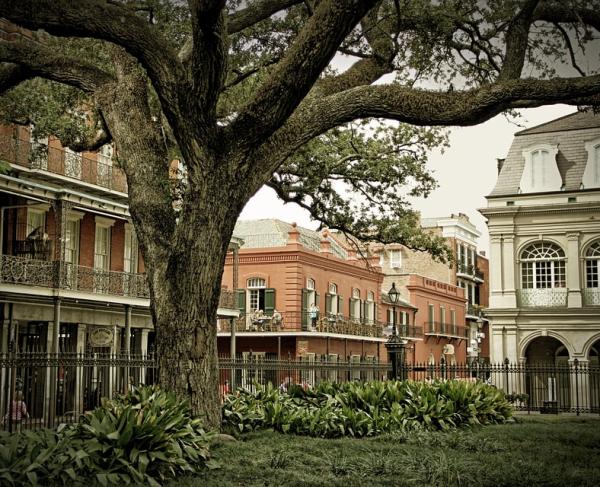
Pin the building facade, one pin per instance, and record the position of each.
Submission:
(544, 222)
(302, 293)
(71, 276)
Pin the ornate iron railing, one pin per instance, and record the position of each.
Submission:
(591, 296)
(469, 270)
(63, 275)
(542, 298)
(64, 163)
(290, 321)
(439, 328)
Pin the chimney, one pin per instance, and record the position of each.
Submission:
(293, 236)
(325, 246)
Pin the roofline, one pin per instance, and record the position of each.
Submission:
(541, 193)
(524, 131)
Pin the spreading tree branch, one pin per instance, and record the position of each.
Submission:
(35, 60)
(516, 42)
(296, 73)
(110, 22)
(255, 12)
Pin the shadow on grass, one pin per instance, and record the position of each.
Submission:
(534, 451)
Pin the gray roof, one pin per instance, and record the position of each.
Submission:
(271, 232)
(570, 133)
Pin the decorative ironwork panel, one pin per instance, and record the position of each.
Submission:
(32, 272)
(542, 298)
(591, 296)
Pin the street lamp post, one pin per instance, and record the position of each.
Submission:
(395, 345)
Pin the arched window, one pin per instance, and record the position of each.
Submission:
(543, 266)
(592, 265)
(540, 172)
(332, 300)
(591, 175)
(332, 288)
(310, 284)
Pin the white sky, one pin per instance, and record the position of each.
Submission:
(466, 173)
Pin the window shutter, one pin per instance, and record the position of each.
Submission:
(269, 301)
(375, 312)
(317, 299)
(340, 305)
(305, 318)
(351, 308)
(241, 300)
(327, 303)
(389, 316)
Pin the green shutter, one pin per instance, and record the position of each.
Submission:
(375, 317)
(327, 303)
(317, 299)
(241, 300)
(350, 308)
(269, 301)
(305, 317)
(340, 305)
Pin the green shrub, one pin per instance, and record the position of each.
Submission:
(366, 409)
(142, 438)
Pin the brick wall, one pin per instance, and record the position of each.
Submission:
(117, 246)
(87, 232)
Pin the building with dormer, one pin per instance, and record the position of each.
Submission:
(544, 224)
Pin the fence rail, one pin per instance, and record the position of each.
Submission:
(59, 388)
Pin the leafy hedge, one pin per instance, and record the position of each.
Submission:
(141, 438)
(366, 409)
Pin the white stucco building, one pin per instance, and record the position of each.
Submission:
(544, 223)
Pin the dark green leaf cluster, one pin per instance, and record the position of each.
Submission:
(366, 409)
(144, 437)
(358, 179)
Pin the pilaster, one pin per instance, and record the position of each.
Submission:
(573, 271)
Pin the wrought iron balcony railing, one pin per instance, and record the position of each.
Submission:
(591, 296)
(62, 162)
(295, 321)
(63, 275)
(446, 329)
(542, 298)
(469, 270)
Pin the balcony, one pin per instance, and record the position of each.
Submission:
(470, 271)
(439, 329)
(591, 296)
(542, 298)
(70, 277)
(295, 321)
(46, 159)
(474, 311)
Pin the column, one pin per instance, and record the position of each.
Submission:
(79, 380)
(508, 271)
(496, 288)
(573, 271)
(144, 352)
(579, 384)
(236, 265)
(126, 349)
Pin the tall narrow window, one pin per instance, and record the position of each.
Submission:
(431, 317)
(104, 171)
(592, 265)
(36, 223)
(540, 171)
(256, 293)
(131, 250)
(102, 248)
(591, 175)
(395, 258)
(72, 242)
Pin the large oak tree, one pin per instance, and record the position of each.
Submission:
(245, 92)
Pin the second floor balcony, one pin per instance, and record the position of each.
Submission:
(450, 330)
(295, 321)
(469, 270)
(69, 277)
(542, 298)
(46, 159)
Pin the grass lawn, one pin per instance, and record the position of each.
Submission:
(535, 451)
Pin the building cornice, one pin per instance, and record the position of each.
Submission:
(540, 209)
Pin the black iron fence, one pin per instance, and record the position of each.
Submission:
(44, 390)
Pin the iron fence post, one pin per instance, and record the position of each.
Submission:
(576, 364)
(506, 362)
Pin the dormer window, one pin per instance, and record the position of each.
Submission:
(540, 172)
(591, 175)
